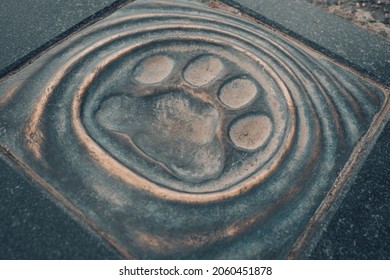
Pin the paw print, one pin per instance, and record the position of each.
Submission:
(187, 116)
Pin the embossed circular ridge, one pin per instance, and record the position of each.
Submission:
(231, 185)
(201, 95)
(213, 61)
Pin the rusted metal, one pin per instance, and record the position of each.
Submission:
(181, 131)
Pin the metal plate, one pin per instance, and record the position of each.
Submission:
(179, 131)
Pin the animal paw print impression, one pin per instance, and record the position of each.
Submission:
(188, 117)
(180, 131)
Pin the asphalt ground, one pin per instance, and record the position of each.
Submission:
(372, 15)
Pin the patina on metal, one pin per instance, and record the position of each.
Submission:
(180, 131)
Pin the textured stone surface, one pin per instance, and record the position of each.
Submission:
(360, 229)
(34, 227)
(115, 121)
(372, 15)
(27, 25)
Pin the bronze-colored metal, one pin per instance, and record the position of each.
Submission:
(179, 131)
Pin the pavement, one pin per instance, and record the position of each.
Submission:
(353, 224)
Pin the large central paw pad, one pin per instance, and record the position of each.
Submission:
(171, 118)
(172, 128)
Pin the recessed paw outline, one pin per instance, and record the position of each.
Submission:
(178, 126)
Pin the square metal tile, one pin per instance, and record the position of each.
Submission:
(180, 131)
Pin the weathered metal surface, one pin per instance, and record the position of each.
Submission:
(179, 131)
